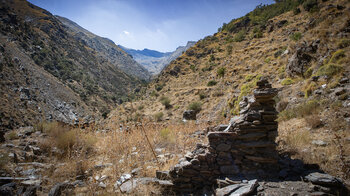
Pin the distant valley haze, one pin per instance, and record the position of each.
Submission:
(155, 24)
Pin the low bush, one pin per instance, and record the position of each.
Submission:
(287, 81)
(310, 5)
(240, 36)
(221, 72)
(329, 70)
(195, 106)
(158, 116)
(202, 95)
(296, 36)
(300, 111)
(165, 101)
(212, 83)
(229, 50)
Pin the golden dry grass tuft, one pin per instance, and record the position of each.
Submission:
(150, 147)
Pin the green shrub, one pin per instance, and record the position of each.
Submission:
(221, 72)
(267, 60)
(296, 11)
(212, 58)
(296, 36)
(202, 96)
(140, 107)
(249, 77)
(193, 68)
(310, 5)
(159, 87)
(257, 33)
(195, 106)
(300, 111)
(165, 101)
(240, 36)
(154, 94)
(287, 81)
(158, 116)
(329, 70)
(211, 83)
(229, 50)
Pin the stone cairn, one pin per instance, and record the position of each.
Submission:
(245, 149)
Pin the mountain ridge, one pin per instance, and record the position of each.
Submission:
(108, 49)
(155, 61)
(84, 82)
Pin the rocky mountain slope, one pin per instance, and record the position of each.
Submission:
(107, 49)
(48, 74)
(155, 61)
(302, 47)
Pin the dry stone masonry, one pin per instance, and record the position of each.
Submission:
(246, 149)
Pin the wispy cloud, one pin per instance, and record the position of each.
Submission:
(155, 24)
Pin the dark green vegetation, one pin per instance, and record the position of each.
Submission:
(262, 13)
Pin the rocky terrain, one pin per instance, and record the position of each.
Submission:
(107, 50)
(303, 50)
(155, 61)
(48, 74)
(262, 107)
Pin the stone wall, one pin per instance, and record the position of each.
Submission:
(244, 149)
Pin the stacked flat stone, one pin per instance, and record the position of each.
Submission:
(245, 148)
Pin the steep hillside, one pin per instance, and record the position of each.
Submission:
(155, 61)
(106, 49)
(302, 47)
(47, 74)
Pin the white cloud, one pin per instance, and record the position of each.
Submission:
(126, 32)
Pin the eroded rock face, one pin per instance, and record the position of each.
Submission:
(299, 62)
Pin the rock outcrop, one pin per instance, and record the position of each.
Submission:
(299, 62)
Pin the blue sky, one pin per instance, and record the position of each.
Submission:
(161, 25)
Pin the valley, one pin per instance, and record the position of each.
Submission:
(261, 107)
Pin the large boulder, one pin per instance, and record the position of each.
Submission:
(299, 62)
(189, 115)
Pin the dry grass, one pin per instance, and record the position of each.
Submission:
(296, 139)
(125, 150)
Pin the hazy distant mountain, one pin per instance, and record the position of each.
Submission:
(107, 49)
(154, 61)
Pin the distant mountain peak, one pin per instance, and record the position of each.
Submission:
(155, 61)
